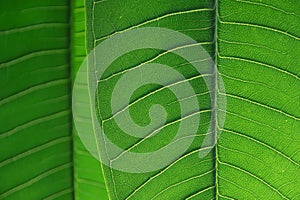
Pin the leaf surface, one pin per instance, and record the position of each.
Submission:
(88, 177)
(255, 46)
(258, 56)
(187, 176)
(35, 115)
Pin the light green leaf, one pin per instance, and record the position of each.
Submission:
(88, 177)
(258, 56)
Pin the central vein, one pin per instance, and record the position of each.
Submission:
(214, 101)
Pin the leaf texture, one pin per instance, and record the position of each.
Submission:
(88, 177)
(188, 176)
(35, 140)
(255, 45)
(258, 56)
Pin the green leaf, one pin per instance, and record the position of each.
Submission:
(258, 56)
(35, 114)
(88, 177)
(188, 174)
(255, 44)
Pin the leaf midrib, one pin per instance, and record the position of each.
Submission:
(214, 118)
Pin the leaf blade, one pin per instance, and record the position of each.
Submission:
(35, 95)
